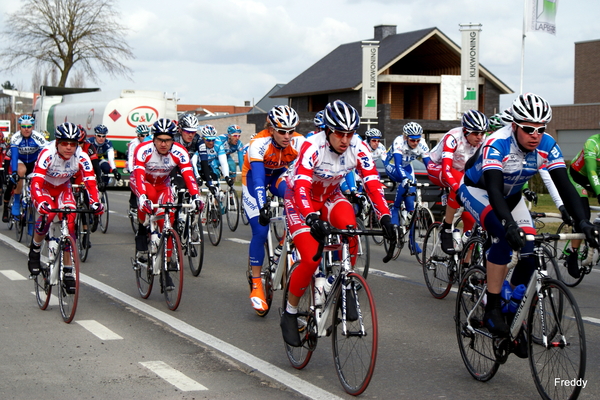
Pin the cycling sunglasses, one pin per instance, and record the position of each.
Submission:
(530, 130)
(101, 136)
(27, 126)
(341, 134)
(283, 132)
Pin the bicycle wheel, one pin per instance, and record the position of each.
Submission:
(41, 282)
(103, 219)
(399, 244)
(144, 275)
(373, 223)
(170, 261)
(67, 256)
(133, 220)
(82, 235)
(474, 341)
(549, 261)
(195, 243)
(29, 223)
(472, 254)
(11, 220)
(300, 356)
(436, 263)
(418, 231)
(363, 254)
(354, 340)
(561, 247)
(233, 209)
(214, 221)
(19, 222)
(266, 276)
(557, 315)
(244, 216)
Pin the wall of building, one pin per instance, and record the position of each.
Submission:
(587, 72)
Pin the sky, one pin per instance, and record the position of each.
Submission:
(229, 51)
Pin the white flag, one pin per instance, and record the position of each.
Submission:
(541, 15)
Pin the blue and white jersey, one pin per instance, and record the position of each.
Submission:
(401, 147)
(105, 151)
(501, 151)
(27, 149)
(229, 149)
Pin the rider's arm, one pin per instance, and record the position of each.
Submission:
(111, 158)
(367, 170)
(449, 147)
(591, 169)
(14, 156)
(182, 159)
(224, 164)
(89, 179)
(568, 193)
(552, 190)
(494, 185)
(258, 181)
(240, 154)
(205, 168)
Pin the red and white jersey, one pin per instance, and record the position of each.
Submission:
(152, 167)
(453, 146)
(51, 168)
(319, 171)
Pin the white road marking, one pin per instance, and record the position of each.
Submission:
(241, 241)
(13, 275)
(53, 300)
(293, 382)
(385, 274)
(96, 328)
(592, 320)
(174, 377)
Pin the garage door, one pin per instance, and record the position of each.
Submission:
(571, 141)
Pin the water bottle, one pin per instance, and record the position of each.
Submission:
(456, 236)
(319, 289)
(329, 284)
(466, 236)
(52, 249)
(404, 217)
(506, 294)
(515, 299)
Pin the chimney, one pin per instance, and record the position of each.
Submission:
(383, 31)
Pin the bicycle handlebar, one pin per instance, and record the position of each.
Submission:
(535, 214)
(358, 232)
(68, 210)
(549, 237)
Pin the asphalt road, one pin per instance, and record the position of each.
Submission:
(214, 346)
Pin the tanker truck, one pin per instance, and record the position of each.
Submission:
(121, 111)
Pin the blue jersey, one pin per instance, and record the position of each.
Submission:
(102, 149)
(500, 151)
(26, 149)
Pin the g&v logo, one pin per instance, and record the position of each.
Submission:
(142, 115)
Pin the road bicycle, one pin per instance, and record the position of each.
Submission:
(232, 208)
(587, 257)
(547, 328)
(414, 225)
(83, 223)
(189, 228)
(132, 214)
(280, 254)
(62, 266)
(212, 216)
(165, 258)
(103, 219)
(442, 270)
(25, 221)
(347, 314)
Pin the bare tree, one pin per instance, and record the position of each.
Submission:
(77, 79)
(58, 34)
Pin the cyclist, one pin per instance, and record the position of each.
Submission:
(269, 155)
(406, 148)
(491, 191)
(314, 200)
(51, 188)
(373, 138)
(448, 159)
(3, 150)
(319, 124)
(105, 151)
(25, 146)
(88, 149)
(141, 131)
(231, 144)
(583, 174)
(153, 162)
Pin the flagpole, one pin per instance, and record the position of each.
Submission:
(523, 46)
